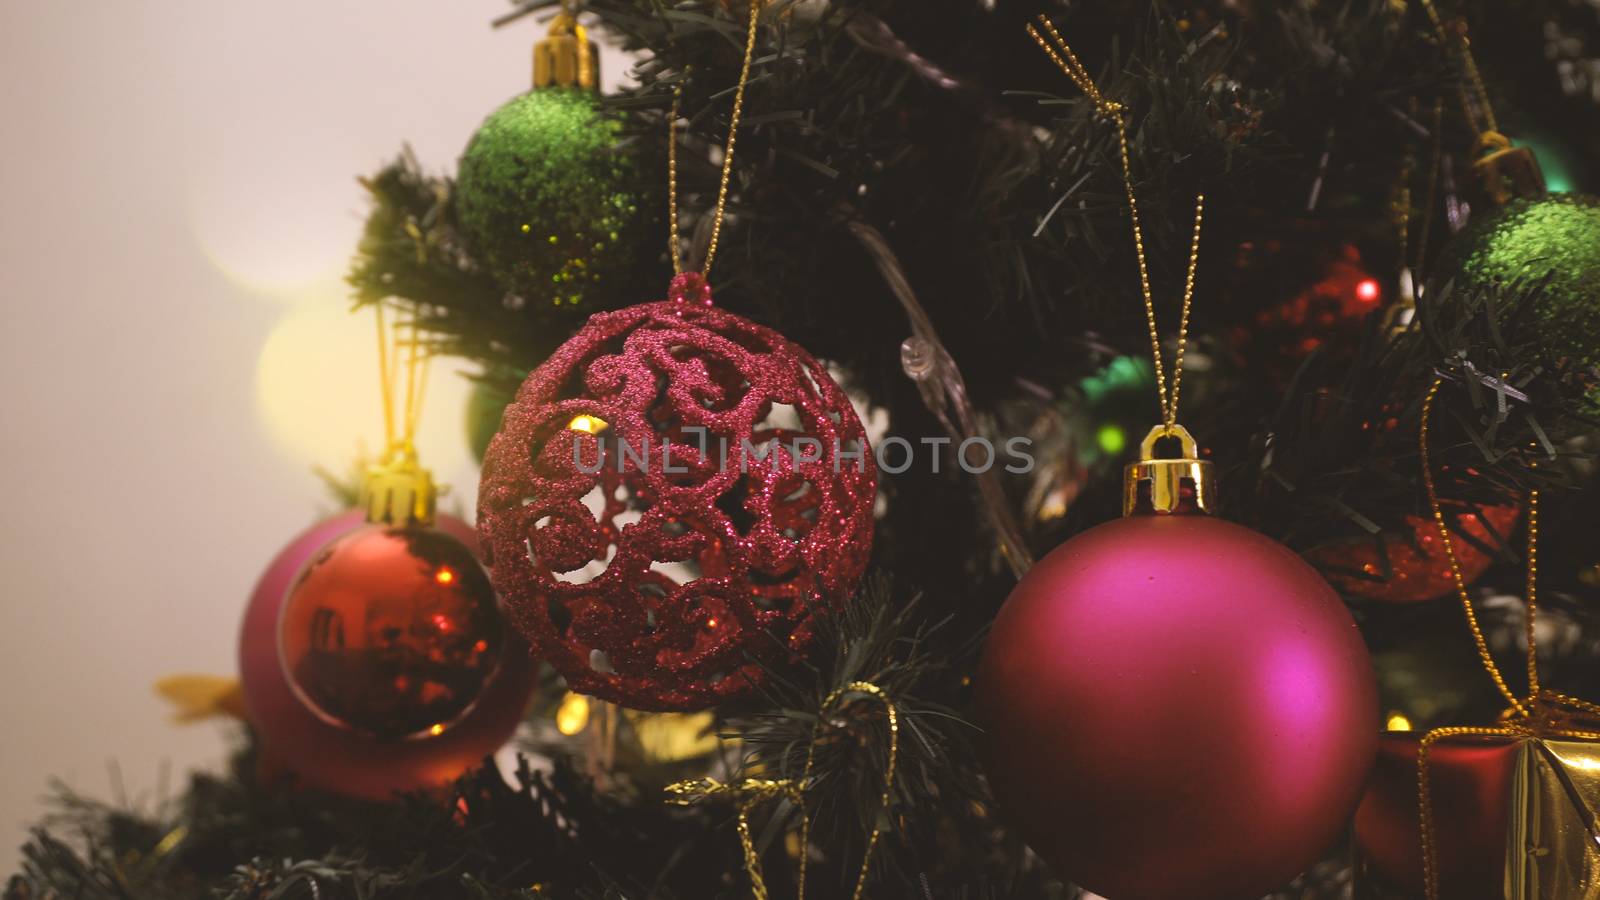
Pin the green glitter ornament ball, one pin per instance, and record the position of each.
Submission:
(1556, 236)
(548, 200)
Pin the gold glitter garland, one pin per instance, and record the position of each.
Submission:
(752, 792)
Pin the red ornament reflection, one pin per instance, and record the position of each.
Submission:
(392, 632)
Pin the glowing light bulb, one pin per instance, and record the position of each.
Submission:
(1367, 289)
(573, 714)
(1112, 439)
(588, 423)
(1397, 722)
(436, 730)
(445, 575)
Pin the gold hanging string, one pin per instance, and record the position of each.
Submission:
(1061, 54)
(1543, 714)
(418, 362)
(893, 716)
(401, 341)
(1532, 593)
(727, 155)
(752, 792)
(411, 382)
(385, 378)
(1470, 66)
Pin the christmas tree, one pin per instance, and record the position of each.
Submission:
(954, 448)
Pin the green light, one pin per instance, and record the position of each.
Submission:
(1124, 372)
(1112, 439)
(1556, 166)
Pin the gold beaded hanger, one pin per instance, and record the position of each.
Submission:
(674, 245)
(1542, 713)
(1437, 511)
(1504, 170)
(1068, 62)
(1165, 476)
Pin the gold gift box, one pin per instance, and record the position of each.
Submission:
(1552, 847)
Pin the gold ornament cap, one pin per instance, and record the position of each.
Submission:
(399, 492)
(1166, 477)
(1505, 173)
(566, 57)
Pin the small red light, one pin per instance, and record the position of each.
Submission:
(1367, 289)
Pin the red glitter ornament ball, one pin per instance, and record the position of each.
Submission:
(670, 498)
(1417, 568)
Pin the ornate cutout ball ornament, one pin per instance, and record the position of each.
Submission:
(671, 499)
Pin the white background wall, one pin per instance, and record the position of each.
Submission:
(177, 186)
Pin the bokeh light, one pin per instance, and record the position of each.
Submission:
(317, 391)
(286, 227)
(1112, 439)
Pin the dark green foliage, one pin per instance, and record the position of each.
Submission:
(227, 837)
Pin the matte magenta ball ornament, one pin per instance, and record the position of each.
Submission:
(672, 498)
(374, 659)
(1176, 706)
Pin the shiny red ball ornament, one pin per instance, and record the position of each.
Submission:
(1417, 568)
(382, 664)
(1176, 706)
(671, 499)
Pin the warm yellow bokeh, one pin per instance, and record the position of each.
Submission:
(280, 230)
(318, 394)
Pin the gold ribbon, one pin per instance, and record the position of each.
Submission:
(749, 793)
(1541, 714)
